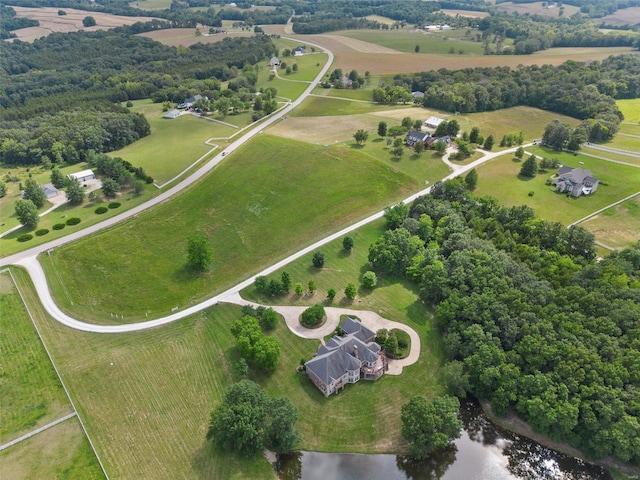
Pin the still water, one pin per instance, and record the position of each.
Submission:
(483, 452)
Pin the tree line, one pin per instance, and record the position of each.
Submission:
(9, 22)
(580, 90)
(529, 320)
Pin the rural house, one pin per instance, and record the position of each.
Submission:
(175, 113)
(576, 181)
(49, 190)
(299, 50)
(416, 136)
(347, 359)
(417, 96)
(274, 62)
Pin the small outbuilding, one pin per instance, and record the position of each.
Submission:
(175, 113)
(82, 176)
(274, 62)
(433, 122)
(49, 190)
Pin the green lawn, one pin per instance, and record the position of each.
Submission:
(264, 202)
(625, 142)
(613, 156)
(151, 4)
(617, 227)
(499, 178)
(32, 396)
(404, 41)
(173, 145)
(309, 65)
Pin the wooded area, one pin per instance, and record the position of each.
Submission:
(529, 320)
(583, 91)
(55, 114)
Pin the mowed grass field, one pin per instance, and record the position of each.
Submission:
(174, 144)
(32, 397)
(617, 227)
(499, 178)
(537, 8)
(406, 41)
(147, 396)
(264, 202)
(186, 37)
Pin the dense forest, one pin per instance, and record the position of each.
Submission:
(528, 319)
(583, 91)
(55, 114)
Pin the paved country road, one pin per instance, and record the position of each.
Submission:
(31, 264)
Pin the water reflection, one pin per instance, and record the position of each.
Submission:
(484, 452)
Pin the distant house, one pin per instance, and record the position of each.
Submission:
(347, 359)
(274, 62)
(191, 100)
(300, 50)
(431, 27)
(346, 81)
(416, 136)
(445, 27)
(175, 113)
(576, 181)
(417, 96)
(49, 190)
(82, 176)
(433, 122)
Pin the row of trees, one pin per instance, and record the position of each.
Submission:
(529, 321)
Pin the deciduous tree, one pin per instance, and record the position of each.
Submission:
(350, 291)
(57, 178)
(318, 260)
(430, 425)
(199, 252)
(27, 213)
(382, 129)
(33, 192)
(75, 192)
(361, 136)
(347, 243)
(529, 167)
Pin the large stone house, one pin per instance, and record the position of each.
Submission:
(347, 359)
(576, 181)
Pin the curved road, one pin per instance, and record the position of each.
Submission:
(31, 264)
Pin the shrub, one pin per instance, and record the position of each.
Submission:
(73, 221)
(25, 237)
(41, 232)
(101, 210)
(58, 226)
(114, 204)
(369, 279)
(312, 316)
(531, 194)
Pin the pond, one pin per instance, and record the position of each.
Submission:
(483, 452)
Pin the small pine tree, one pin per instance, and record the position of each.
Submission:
(520, 152)
(488, 143)
(471, 180)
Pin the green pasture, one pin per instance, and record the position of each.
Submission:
(85, 212)
(264, 202)
(175, 375)
(625, 142)
(174, 144)
(618, 226)
(31, 392)
(309, 65)
(404, 41)
(532, 121)
(361, 94)
(62, 452)
(630, 108)
(151, 4)
(499, 178)
(629, 128)
(32, 397)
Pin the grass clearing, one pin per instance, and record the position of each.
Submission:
(326, 105)
(151, 4)
(543, 9)
(185, 37)
(309, 65)
(624, 141)
(499, 178)
(623, 16)
(304, 192)
(630, 109)
(617, 227)
(608, 155)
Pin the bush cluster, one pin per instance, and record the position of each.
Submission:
(312, 316)
(114, 205)
(267, 317)
(73, 221)
(58, 226)
(25, 237)
(101, 210)
(42, 231)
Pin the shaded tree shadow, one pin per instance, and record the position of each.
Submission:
(523, 178)
(378, 140)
